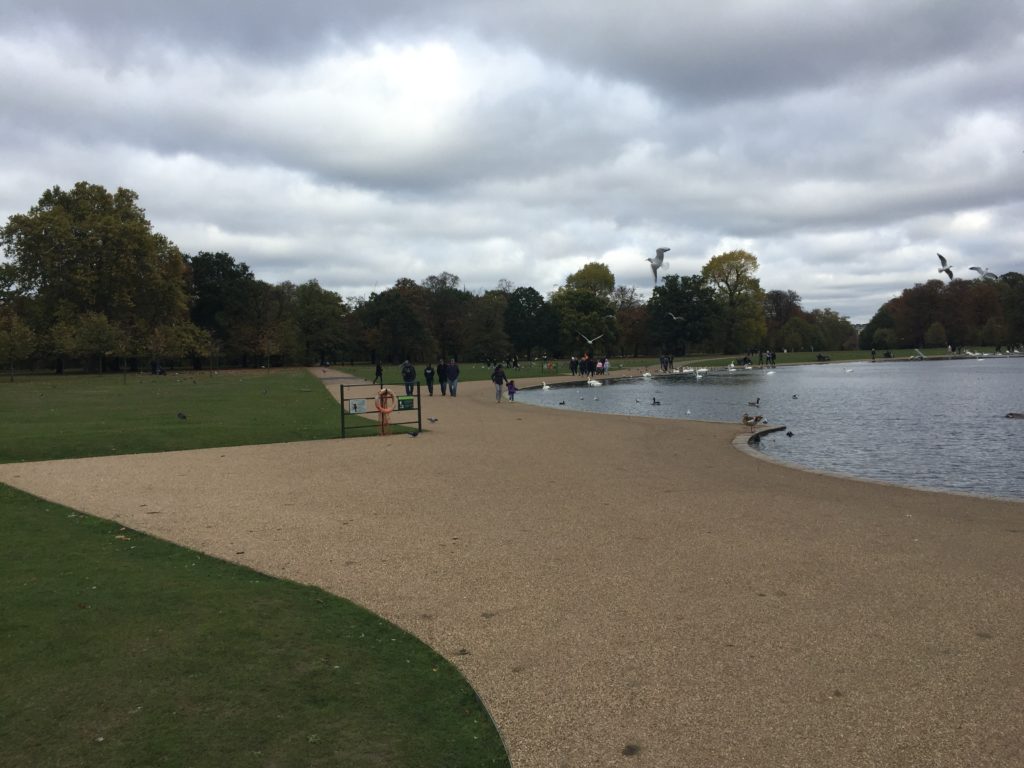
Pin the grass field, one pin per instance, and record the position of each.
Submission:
(58, 417)
(118, 649)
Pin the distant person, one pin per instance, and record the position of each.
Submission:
(872, 354)
(428, 376)
(512, 389)
(500, 379)
(378, 374)
(453, 376)
(442, 375)
(408, 376)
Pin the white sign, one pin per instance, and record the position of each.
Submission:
(357, 406)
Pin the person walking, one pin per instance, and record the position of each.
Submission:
(408, 376)
(512, 389)
(452, 369)
(500, 379)
(378, 374)
(428, 375)
(442, 375)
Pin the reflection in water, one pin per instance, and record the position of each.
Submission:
(938, 425)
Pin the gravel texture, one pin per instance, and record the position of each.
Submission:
(627, 591)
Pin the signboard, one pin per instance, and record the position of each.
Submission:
(357, 406)
(406, 403)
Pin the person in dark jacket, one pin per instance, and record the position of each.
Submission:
(378, 374)
(442, 375)
(428, 376)
(408, 376)
(452, 369)
(499, 378)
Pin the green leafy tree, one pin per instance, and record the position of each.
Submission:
(321, 319)
(17, 340)
(396, 324)
(593, 277)
(528, 321)
(485, 336)
(583, 313)
(740, 299)
(683, 311)
(832, 330)
(446, 306)
(85, 250)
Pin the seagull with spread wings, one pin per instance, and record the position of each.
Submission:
(946, 266)
(985, 274)
(590, 341)
(657, 260)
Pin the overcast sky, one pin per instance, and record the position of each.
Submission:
(843, 143)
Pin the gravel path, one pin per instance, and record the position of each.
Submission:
(628, 591)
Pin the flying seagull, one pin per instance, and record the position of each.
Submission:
(590, 341)
(985, 274)
(677, 319)
(946, 266)
(657, 260)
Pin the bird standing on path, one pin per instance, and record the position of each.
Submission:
(657, 260)
(751, 421)
(946, 266)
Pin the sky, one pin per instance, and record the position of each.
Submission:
(842, 142)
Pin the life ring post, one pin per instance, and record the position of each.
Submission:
(385, 402)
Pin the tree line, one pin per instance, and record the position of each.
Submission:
(85, 279)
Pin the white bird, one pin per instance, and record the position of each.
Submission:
(677, 319)
(590, 341)
(985, 274)
(545, 385)
(702, 370)
(946, 266)
(647, 374)
(593, 383)
(657, 261)
(848, 370)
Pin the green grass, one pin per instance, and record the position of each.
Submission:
(118, 649)
(58, 417)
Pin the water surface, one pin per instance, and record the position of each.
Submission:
(930, 424)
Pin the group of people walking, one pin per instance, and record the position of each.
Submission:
(588, 366)
(447, 376)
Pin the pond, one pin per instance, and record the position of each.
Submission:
(937, 424)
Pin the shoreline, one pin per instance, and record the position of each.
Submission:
(607, 582)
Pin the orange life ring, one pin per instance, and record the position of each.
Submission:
(385, 401)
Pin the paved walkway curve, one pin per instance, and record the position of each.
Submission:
(628, 591)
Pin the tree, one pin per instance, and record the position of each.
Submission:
(528, 320)
(593, 277)
(87, 250)
(17, 341)
(446, 306)
(396, 323)
(833, 331)
(682, 311)
(583, 312)
(321, 318)
(779, 308)
(740, 299)
(485, 336)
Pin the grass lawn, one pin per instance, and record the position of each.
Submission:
(117, 649)
(58, 417)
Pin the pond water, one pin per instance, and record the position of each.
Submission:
(930, 424)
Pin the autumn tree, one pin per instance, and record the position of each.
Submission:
(740, 299)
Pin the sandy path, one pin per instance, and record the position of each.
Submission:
(615, 585)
